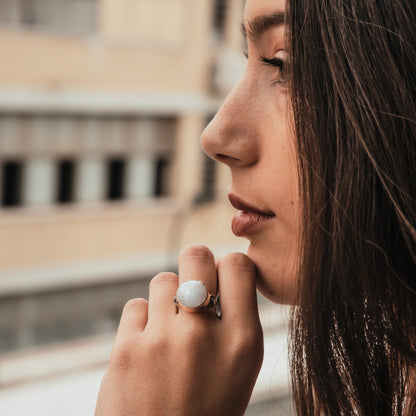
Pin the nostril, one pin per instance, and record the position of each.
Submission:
(226, 159)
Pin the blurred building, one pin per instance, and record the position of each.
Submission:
(102, 180)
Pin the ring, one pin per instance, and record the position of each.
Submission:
(193, 295)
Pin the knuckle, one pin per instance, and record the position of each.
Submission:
(197, 252)
(135, 305)
(237, 260)
(247, 342)
(164, 277)
(122, 356)
(128, 353)
(158, 343)
(194, 333)
(250, 354)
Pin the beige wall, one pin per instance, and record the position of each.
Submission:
(32, 60)
(141, 45)
(60, 237)
(164, 22)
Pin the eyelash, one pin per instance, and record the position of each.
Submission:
(274, 63)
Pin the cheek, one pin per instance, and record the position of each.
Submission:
(275, 252)
(281, 183)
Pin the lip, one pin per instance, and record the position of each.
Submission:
(249, 219)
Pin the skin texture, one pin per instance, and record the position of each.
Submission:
(252, 135)
(169, 362)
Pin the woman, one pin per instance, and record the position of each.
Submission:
(320, 138)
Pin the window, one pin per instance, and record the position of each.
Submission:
(72, 16)
(66, 177)
(116, 176)
(161, 187)
(12, 183)
(69, 158)
(209, 173)
(219, 19)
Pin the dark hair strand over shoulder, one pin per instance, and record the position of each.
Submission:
(354, 98)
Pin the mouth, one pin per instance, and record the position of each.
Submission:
(249, 219)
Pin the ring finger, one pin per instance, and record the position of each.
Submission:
(198, 263)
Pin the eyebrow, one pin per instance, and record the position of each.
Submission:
(253, 29)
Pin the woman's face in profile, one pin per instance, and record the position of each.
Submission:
(252, 134)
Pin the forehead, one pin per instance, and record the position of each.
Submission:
(263, 7)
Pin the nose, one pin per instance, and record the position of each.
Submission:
(231, 136)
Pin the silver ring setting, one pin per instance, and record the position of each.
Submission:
(193, 295)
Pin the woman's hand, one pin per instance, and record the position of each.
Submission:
(169, 362)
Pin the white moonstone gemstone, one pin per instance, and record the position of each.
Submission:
(192, 293)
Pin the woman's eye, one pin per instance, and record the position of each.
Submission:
(278, 63)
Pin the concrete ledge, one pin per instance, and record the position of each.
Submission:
(44, 362)
(94, 102)
(26, 366)
(96, 272)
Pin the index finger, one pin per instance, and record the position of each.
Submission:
(237, 286)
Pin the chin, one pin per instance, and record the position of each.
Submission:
(276, 276)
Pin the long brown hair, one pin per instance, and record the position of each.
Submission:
(353, 89)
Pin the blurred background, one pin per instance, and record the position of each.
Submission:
(103, 182)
